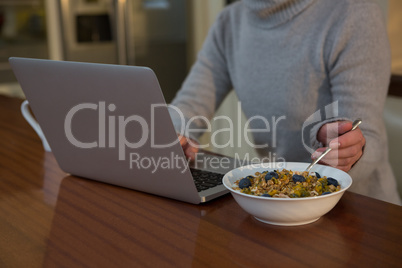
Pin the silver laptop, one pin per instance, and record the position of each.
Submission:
(110, 123)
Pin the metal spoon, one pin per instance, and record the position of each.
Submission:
(356, 123)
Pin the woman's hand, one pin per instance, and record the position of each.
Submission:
(190, 147)
(347, 147)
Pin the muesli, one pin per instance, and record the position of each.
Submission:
(287, 184)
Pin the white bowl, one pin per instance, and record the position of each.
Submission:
(287, 211)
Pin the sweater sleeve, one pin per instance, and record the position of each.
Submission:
(205, 87)
(358, 62)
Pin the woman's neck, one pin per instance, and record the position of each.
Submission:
(269, 13)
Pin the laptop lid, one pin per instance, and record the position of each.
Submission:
(107, 123)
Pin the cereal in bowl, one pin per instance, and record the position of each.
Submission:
(287, 184)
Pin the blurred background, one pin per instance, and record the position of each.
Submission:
(161, 34)
(164, 35)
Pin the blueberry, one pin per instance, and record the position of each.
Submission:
(317, 175)
(332, 181)
(298, 178)
(324, 193)
(244, 183)
(266, 195)
(271, 175)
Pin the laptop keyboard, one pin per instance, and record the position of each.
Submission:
(205, 179)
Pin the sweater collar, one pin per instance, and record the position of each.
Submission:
(270, 13)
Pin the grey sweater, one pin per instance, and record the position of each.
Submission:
(299, 63)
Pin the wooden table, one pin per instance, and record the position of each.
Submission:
(53, 220)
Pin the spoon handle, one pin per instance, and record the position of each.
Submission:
(318, 159)
(356, 123)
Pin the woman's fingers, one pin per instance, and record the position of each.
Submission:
(346, 149)
(190, 147)
(330, 131)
